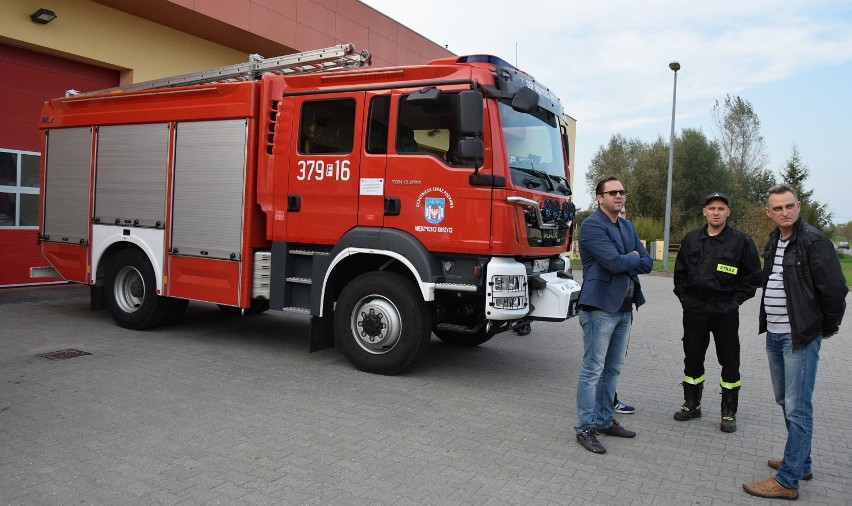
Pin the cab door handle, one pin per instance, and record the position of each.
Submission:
(392, 206)
(294, 203)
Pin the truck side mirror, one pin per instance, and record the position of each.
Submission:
(470, 113)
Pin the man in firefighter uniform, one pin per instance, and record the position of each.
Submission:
(716, 270)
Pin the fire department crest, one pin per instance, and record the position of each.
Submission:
(434, 210)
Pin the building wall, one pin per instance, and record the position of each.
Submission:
(96, 44)
(29, 77)
(138, 40)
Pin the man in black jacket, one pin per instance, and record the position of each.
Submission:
(804, 298)
(717, 269)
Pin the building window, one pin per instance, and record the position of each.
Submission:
(19, 177)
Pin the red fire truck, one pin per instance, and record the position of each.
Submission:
(386, 204)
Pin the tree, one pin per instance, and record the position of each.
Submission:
(743, 149)
(647, 187)
(698, 171)
(642, 168)
(616, 159)
(755, 223)
(794, 174)
(649, 229)
(844, 231)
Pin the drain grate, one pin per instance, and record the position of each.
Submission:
(63, 354)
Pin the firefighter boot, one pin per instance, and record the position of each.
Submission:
(730, 398)
(692, 402)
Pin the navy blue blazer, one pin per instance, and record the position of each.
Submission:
(608, 262)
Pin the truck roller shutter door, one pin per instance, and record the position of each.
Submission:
(210, 165)
(130, 187)
(66, 185)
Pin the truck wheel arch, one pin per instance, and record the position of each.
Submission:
(363, 250)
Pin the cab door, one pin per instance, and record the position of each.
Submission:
(432, 188)
(372, 203)
(324, 167)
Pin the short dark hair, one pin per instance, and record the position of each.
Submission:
(779, 189)
(599, 188)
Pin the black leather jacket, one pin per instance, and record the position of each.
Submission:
(813, 281)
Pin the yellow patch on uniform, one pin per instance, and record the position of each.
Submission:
(726, 268)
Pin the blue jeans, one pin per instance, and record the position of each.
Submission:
(605, 337)
(793, 379)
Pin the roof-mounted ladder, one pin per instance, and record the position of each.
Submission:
(341, 56)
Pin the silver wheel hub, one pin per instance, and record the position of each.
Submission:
(129, 289)
(376, 324)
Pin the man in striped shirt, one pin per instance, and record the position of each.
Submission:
(804, 298)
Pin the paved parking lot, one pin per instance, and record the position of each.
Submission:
(234, 410)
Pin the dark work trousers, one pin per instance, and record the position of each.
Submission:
(697, 326)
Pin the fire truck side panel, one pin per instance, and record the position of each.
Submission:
(209, 182)
(271, 138)
(70, 260)
(66, 185)
(324, 175)
(373, 181)
(208, 211)
(130, 174)
(205, 279)
(209, 101)
(110, 237)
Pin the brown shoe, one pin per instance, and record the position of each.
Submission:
(771, 489)
(776, 463)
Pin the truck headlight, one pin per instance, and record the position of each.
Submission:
(507, 283)
(510, 302)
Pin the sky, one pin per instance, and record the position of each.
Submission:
(608, 61)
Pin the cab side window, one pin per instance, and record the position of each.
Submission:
(327, 126)
(377, 125)
(428, 129)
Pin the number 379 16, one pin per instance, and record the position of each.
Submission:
(317, 170)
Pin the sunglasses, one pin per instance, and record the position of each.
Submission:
(613, 193)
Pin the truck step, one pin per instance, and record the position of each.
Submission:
(296, 310)
(455, 287)
(304, 252)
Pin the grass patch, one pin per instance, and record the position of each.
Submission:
(846, 265)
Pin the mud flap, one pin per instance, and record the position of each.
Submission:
(97, 298)
(322, 333)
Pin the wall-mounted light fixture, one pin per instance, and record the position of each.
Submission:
(43, 16)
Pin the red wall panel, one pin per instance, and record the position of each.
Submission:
(27, 80)
(19, 252)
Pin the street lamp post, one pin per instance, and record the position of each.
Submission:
(675, 66)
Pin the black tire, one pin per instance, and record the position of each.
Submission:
(461, 339)
(131, 291)
(381, 322)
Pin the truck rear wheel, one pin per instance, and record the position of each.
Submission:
(131, 292)
(381, 322)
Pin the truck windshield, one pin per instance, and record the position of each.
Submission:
(533, 141)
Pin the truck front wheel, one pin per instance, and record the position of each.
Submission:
(131, 292)
(381, 322)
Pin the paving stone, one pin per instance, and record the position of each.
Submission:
(234, 410)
